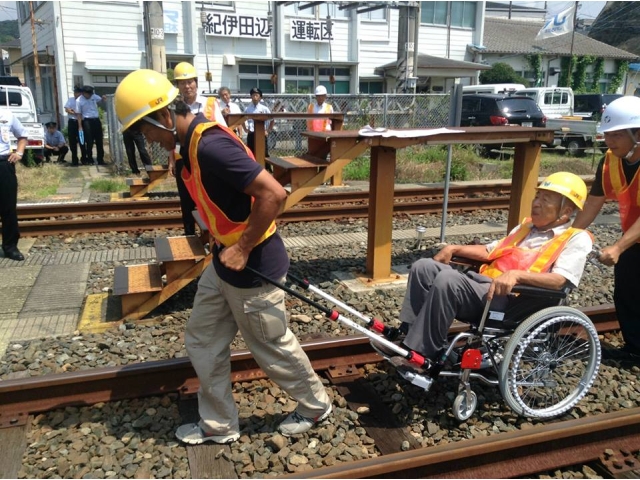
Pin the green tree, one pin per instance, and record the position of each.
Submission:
(9, 30)
(501, 73)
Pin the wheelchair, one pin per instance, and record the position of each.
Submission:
(542, 354)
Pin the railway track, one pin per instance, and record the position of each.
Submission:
(53, 219)
(513, 454)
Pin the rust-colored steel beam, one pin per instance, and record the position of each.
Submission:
(19, 398)
(507, 455)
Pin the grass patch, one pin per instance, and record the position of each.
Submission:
(35, 183)
(109, 185)
(427, 164)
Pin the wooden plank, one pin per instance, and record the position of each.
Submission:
(137, 279)
(205, 461)
(175, 249)
(524, 180)
(380, 423)
(135, 182)
(383, 166)
(156, 168)
(14, 443)
(305, 161)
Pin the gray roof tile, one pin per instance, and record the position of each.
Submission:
(514, 36)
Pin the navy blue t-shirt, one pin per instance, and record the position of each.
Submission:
(628, 170)
(226, 171)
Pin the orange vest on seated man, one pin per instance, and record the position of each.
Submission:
(225, 231)
(508, 256)
(615, 187)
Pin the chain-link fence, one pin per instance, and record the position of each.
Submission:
(382, 110)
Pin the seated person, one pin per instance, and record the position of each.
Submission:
(543, 251)
(54, 143)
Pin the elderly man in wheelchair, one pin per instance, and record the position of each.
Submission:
(543, 355)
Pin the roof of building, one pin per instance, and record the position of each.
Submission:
(15, 43)
(430, 61)
(518, 37)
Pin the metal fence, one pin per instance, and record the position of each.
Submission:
(381, 110)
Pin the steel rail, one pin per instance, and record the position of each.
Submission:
(514, 454)
(21, 397)
(155, 221)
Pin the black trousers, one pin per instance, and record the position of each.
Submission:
(92, 128)
(187, 205)
(131, 141)
(60, 153)
(251, 143)
(626, 274)
(74, 141)
(8, 204)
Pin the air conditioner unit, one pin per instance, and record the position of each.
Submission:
(79, 56)
(228, 59)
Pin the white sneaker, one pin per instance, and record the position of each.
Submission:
(193, 434)
(296, 423)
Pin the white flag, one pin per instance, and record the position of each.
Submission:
(558, 24)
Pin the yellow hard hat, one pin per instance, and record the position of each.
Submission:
(568, 184)
(184, 71)
(140, 93)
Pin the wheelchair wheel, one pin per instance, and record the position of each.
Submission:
(463, 409)
(550, 362)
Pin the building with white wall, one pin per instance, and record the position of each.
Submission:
(277, 46)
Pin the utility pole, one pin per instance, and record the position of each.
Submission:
(405, 70)
(34, 41)
(154, 29)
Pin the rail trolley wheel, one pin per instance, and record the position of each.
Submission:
(463, 409)
(550, 362)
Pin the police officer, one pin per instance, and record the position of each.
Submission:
(9, 182)
(89, 123)
(72, 126)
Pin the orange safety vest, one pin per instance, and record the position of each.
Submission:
(319, 124)
(615, 187)
(225, 231)
(508, 256)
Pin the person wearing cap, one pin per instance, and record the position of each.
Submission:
(72, 126)
(617, 179)
(89, 123)
(9, 123)
(256, 106)
(54, 143)
(239, 201)
(185, 77)
(319, 106)
(543, 251)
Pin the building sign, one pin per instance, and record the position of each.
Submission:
(232, 25)
(309, 31)
(172, 20)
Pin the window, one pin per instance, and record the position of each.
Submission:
(463, 14)
(370, 87)
(252, 75)
(331, 8)
(556, 98)
(294, 10)
(433, 12)
(23, 10)
(373, 15)
(302, 79)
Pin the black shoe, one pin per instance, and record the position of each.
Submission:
(14, 254)
(624, 354)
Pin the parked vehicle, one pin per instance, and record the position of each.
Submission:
(576, 134)
(480, 110)
(20, 101)
(506, 88)
(591, 105)
(554, 102)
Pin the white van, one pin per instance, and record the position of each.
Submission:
(20, 101)
(506, 88)
(555, 102)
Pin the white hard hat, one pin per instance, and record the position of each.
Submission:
(621, 114)
(321, 90)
